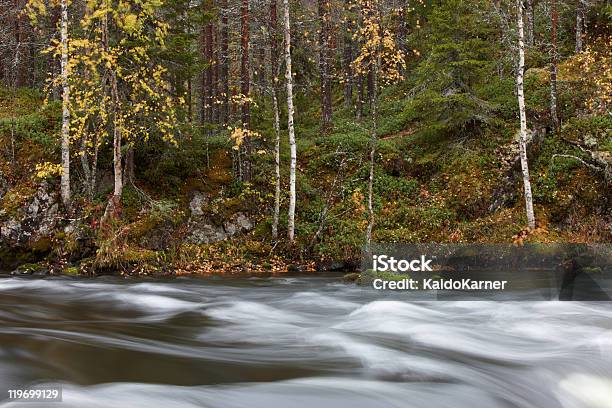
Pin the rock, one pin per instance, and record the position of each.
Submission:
(237, 223)
(296, 268)
(332, 266)
(37, 220)
(203, 231)
(30, 269)
(4, 186)
(198, 201)
(351, 277)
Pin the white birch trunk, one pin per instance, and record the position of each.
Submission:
(65, 178)
(276, 161)
(290, 111)
(580, 7)
(373, 140)
(117, 167)
(523, 134)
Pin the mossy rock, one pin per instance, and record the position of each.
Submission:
(71, 271)
(367, 277)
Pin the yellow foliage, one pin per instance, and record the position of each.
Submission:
(238, 135)
(46, 169)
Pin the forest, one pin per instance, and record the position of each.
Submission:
(206, 136)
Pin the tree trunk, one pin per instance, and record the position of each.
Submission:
(274, 82)
(373, 141)
(208, 72)
(224, 64)
(245, 82)
(326, 108)
(553, 65)
(348, 60)
(580, 9)
(117, 167)
(523, 133)
(214, 74)
(360, 96)
(128, 167)
(291, 130)
(65, 178)
(530, 23)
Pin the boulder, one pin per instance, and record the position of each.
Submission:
(33, 222)
(198, 201)
(203, 231)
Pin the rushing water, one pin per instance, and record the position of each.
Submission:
(296, 342)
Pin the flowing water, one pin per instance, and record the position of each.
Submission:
(296, 342)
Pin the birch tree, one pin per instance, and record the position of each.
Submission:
(274, 84)
(523, 118)
(380, 59)
(36, 9)
(65, 177)
(290, 127)
(117, 91)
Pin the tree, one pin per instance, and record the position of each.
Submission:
(224, 63)
(245, 82)
(290, 128)
(523, 118)
(118, 91)
(324, 63)
(65, 177)
(553, 64)
(530, 23)
(581, 6)
(347, 58)
(274, 74)
(382, 60)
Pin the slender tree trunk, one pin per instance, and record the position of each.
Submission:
(291, 130)
(360, 96)
(224, 62)
(530, 23)
(203, 97)
(580, 6)
(128, 168)
(208, 33)
(274, 83)
(348, 72)
(326, 108)
(117, 165)
(348, 59)
(523, 117)
(94, 169)
(553, 65)
(65, 178)
(373, 142)
(214, 74)
(245, 84)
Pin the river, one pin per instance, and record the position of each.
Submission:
(296, 342)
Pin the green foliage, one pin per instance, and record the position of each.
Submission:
(40, 127)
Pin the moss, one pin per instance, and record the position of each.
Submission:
(367, 277)
(42, 245)
(71, 271)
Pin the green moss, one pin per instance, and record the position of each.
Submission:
(367, 277)
(71, 271)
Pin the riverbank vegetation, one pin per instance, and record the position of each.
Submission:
(158, 136)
